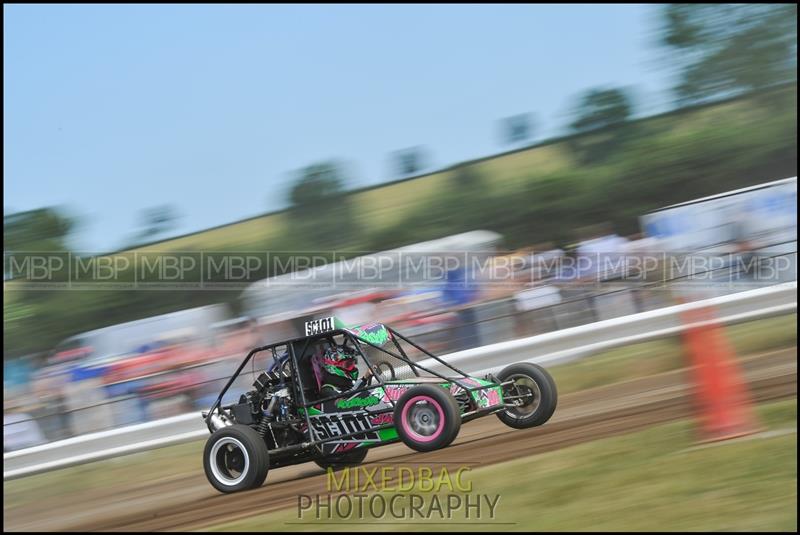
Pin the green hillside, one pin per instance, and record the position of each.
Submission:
(381, 207)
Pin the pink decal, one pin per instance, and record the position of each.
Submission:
(380, 419)
(346, 447)
(393, 392)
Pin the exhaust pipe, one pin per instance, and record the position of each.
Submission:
(217, 420)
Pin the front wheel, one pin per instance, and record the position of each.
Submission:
(235, 458)
(427, 418)
(343, 460)
(532, 390)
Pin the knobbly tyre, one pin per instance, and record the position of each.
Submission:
(290, 416)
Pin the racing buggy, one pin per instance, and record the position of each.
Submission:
(290, 416)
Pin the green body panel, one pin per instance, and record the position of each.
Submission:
(373, 408)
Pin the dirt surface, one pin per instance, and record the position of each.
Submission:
(188, 503)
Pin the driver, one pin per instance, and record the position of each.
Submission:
(339, 368)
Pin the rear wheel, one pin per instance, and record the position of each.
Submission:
(235, 458)
(343, 460)
(533, 391)
(427, 418)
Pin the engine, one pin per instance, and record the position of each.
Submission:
(268, 409)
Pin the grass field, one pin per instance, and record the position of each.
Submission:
(654, 480)
(612, 366)
(658, 356)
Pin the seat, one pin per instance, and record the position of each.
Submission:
(308, 367)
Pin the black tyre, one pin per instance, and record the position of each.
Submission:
(343, 460)
(453, 401)
(534, 389)
(235, 458)
(426, 418)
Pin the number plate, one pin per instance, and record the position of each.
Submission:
(319, 326)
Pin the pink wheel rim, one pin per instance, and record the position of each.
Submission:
(407, 425)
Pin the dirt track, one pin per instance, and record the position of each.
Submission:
(190, 502)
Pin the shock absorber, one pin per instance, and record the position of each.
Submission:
(266, 415)
(266, 425)
(263, 425)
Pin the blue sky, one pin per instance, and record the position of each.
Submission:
(112, 109)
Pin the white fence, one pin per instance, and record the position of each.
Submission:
(549, 348)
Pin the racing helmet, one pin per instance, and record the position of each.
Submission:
(341, 361)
